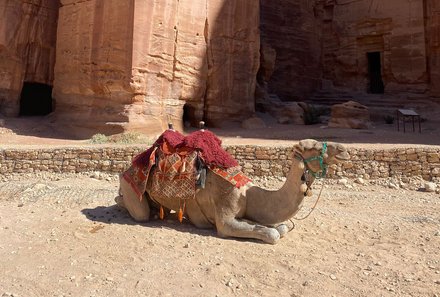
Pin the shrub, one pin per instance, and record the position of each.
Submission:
(98, 139)
(312, 115)
(389, 119)
(123, 138)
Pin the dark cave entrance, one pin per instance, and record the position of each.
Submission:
(375, 73)
(36, 99)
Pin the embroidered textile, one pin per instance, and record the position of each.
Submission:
(234, 175)
(174, 177)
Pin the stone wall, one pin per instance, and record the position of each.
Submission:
(27, 48)
(256, 161)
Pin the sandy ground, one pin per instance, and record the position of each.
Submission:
(62, 235)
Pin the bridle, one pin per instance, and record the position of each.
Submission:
(323, 167)
(308, 171)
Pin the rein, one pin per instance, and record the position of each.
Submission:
(319, 174)
(314, 206)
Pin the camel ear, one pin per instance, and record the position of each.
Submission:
(298, 147)
(318, 145)
(309, 144)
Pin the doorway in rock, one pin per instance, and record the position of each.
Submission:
(36, 99)
(375, 73)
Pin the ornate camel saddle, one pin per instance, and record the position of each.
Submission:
(175, 165)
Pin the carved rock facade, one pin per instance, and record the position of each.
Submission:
(355, 46)
(27, 48)
(132, 64)
(138, 64)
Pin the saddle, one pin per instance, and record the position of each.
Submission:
(176, 172)
(176, 165)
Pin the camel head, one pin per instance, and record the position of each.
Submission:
(317, 156)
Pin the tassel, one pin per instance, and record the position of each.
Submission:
(161, 213)
(181, 211)
(180, 215)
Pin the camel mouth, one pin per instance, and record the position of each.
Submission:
(344, 156)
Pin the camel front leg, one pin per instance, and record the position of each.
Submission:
(237, 228)
(284, 227)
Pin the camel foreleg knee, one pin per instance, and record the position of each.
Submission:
(237, 228)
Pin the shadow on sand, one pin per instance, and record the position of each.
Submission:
(116, 215)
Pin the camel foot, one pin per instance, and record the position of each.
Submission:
(272, 236)
(285, 228)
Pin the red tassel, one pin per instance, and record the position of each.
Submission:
(180, 215)
(181, 211)
(161, 213)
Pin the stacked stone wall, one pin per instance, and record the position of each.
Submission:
(255, 160)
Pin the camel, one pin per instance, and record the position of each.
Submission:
(248, 212)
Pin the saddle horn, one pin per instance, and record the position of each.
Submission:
(202, 125)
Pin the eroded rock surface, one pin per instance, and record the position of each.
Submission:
(291, 29)
(27, 48)
(118, 71)
(350, 115)
(395, 29)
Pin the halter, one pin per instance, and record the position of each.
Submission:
(319, 174)
(320, 158)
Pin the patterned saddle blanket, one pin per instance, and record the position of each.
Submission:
(175, 170)
(175, 173)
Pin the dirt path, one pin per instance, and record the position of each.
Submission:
(40, 131)
(63, 236)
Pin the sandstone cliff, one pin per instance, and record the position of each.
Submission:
(351, 29)
(432, 10)
(138, 64)
(27, 48)
(291, 29)
(134, 64)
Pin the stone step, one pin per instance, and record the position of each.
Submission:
(384, 101)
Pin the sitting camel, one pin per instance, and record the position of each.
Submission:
(248, 211)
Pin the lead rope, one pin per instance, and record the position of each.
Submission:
(313, 208)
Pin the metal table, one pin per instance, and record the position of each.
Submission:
(408, 113)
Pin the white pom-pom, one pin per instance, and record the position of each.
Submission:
(303, 188)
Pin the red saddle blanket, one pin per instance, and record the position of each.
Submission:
(175, 174)
(175, 156)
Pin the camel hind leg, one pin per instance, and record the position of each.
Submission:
(139, 209)
(245, 229)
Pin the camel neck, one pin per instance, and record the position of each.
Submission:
(289, 195)
(293, 178)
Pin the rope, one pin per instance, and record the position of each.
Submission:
(313, 208)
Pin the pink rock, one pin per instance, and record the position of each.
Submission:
(350, 115)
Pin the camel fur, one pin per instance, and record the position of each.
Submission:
(246, 212)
